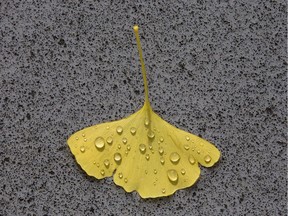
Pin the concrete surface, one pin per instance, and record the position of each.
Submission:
(216, 68)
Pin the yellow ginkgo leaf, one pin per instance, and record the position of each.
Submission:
(143, 152)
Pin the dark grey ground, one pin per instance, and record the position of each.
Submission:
(215, 68)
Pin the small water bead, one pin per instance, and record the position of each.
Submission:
(124, 140)
(98, 165)
(172, 175)
(187, 138)
(94, 162)
(125, 180)
(83, 134)
(142, 148)
(109, 140)
(155, 171)
(146, 122)
(186, 147)
(119, 146)
(106, 163)
(117, 157)
(102, 172)
(163, 191)
(107, 127)
(119, 130)
(126, 152)
(77, 138)
(147, 156)
(174, 157)
(99, 142)
(85, 140)
(151, 134)
(82, 149)
(150, 147)
(146, 172)
(191, 160)
(120, 175)
(161, 139)
(162, 160)
(183, 171)
(133, 130)
(198, 152)
(207, 159)
(161, 150)
(128, 147)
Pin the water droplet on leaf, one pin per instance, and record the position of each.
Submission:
(207, 159)
(151, 134)
(142, 148)
(162, 161)
(120, 175)
(174, 157)
(109, 140)
(161, 150)
(102, 172)
(147, 156)
(82, 149)
(133, 130)
(124, 140)
(117, 157)
(191, 160)
(99, 142)
(186, 147)
(106, 163)
(183, 171)
(119, 130)
(187, 138)
(172, 175)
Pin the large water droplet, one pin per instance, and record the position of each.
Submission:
(106, 163)
(161, 150)
(120, 175)
(162, 160)
(82, 149)
(117, 157)
(151, 134)
(191, 160)
(172, 175)
(174, 157)
(124, 140)
(183, 171)
(187, 138)
(207, 159)
(99, 142)
(147, 156)
(119, 130)
(133, 130)
(142, 148)
(186, 147)
(102, 172)
(146, 122)
(109, 140)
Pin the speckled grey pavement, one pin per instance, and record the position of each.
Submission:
(215, 68)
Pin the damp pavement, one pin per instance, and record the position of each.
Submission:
(215, 68)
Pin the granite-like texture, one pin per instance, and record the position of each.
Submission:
(215, 68)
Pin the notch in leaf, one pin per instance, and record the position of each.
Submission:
(144, 153)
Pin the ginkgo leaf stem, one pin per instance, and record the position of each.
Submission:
(136, 31)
